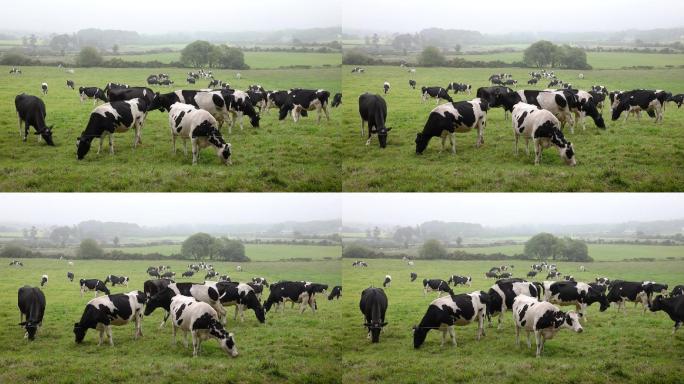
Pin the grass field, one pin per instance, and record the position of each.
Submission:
(277, 156)
(256, 60)
(613, 348)
(632, 156)
(288, 348)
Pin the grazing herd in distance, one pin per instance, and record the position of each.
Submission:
(195, 308)
(533, 303)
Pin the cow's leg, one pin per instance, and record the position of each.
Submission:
(480, 326)
(452, 140)
(444, 332)
(539, 341)
(480, 133)
(195, 151)
(325, 110)
(175, 329)
(517, 334)
(138, 139)
(195, 344)
(452, 332)
(362, 130)
(109, 334)
(529, 340)
(166, 317)
(102, 331)
(537, 152)
(370, 136)
(236, 312)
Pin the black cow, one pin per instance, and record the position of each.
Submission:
(491, 275)
(190, 80)
(94, 93)
(70, 276)
(123, 94)
(414, 276)
(460, 280)
(677, 99)
(532, 81)
(335, 293)
(121, 280)
(301, 100)
(438, 285)
(102, 312)
(373, 305)
(620, 291)
(31, 302)
(373, 110)
(446, 312)
(531, 273)
(152, 80)
(93, 285)
(459, 87)
(581, 295)
(492, 96)
(276, 99)
(678, 290)
(639, 100)
(673, 306)
(241, 295)
(294, 291)
(188, 273)
(436, 93)
(70, 84)
(412, 84)
(152, 287)
(168, 275)
(449, 118)
(31, 112)
(337, 100)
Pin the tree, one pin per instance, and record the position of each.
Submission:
(115, 49)
(541, 246)
(459, 241)
(375, 39)
(115, 241)
(403, 42)
(226, 249)
(356, 251)
(356, 57)
(403, 235)
(376, 233)
(89, 57)
(197, 54)
(198, 246)
(60, 235)
(33, 233)
(230, 58)
(432, 249)
(89, 249)
(61, 43)
(457, 48)
(544, 53)
(575, 250)
(33, 41)
(431, 57)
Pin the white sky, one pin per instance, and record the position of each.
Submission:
(156, 17)
(503, 16)
(160, 209)
(502, 209)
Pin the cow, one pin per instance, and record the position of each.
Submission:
(168, 275)
(412, 84)
(70, 84)
(454, 310)
(152, 287)
(276, 99)
(436, 93)
(532, 81)
(301, 100)
(70, 276)
(260, 281)
(492, 95)
(238, 104)
(31, 112)
(166, 82)
(111, 85)
(31, 303)
(677, 99)
(335, 293)
(190, 80)
(386, 87)
(43, 280)
(242, 296)
(373, 110)
(124, 94)
(110, 118)
(337, 100)
(585, 106)
(102, 313)
(463, 280)
(637, 292)
(558, 103)
(200, 292)
(414, 276)
(15, 71)
(553, 275)
(201, 320)
(449, 118)
(258, 99)
(503, 292)
(602, 281)
(531, 273)
(121, 280)
(505, 275)
(512, 82)
(543, 128)
(210, 101)
(94, 93)
(188, 273)
(201, 128)
(238, 268)
(678, 290)
(373, 306)
(294, 291)
(44, 88)
(93, 285)
(154, 273)
(542, 318)
(459, 87)
(214, 83)
(637, 101)
(152, 80)
(673, 306)
(492, 275)
(582, 268)
(581, 295)
(387, 282)
(438, 285)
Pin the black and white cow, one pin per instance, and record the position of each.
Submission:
(152, 80)
(94, 93)
(202, 321)
(505, 275)
(459, 87)
(569, 278)
(335, 293)
(673, 306)
(123, 94)
(373, 110)
(412, 84)
(503, 292)
(678, 290)
(301, 100)
(260, 281)
(121, 280)
(103, 312)
(581, 295)
(152, 287)
(542, 318)
(454, 310)
(438, 285)
(188, 273)
(677, 99)
(70, 84)
(276, 99)
(531, 273)
(436, 93)
(386, 87)
(166, 82)
(414, 276)
(543, 128)
(210, 101)
(337, 100)
(258, 99)
(201, 128)
(492, 95)
(31, 302)
(204, 293)
(238, 104)
(491, 275)
(110, 118)
(553, 275)
(242, 296)
(556, 102)
(31, 112)
(621, 291)
(44, 88)
(43, 280)
(460, 280)
(70, 276)
(111, 85)
(585, 106)
(602, 281)
(387, 282)
(637, 101)
(294, 291)
(512, 82)
(532, 81)
(190, 80)
(373, 306)
(93, 285)
(447, 119)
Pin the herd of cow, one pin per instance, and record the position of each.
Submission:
(195, 115)
(195, 308)
(533, 304)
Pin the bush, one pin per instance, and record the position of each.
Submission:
(15, 58)
(432, 249)
(89, 249)
(89, 57)
(357, 251)
(356, 57)
(431, 57)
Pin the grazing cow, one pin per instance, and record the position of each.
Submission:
(93, 285)
(301, 100)
(70, 84)
(584, 105)
(211, 274)
(569, 278)
(238, 104)
(637, 101)
(121, 280)
(503, 292)
(188, 273)
(603, 281)
(554, 82)
(531, 273)
(200, 292)
(678, 290)
(44, 88)
(505, 275)
(110, 118)
(512, 82)
(31, 112)
(491, 274)
(438, 285)
(201, 320)
(677, 99)
(581, 295)
(637, 292)
(673, 306)
(463, 280)
(414, 276)
(542, 318)
(553, 275)
(454, 310)
(558, 103)
(210, 101)
(168, 275)
(201, 128)
(70, 276)
(337, 100)
(387, 282)
(492, 95)
(335, 293)
(31, 302)
(154, 273)
(166, 82)
(94, 93)
(532, 81)
(224, 278)
(373, 110)
(459, 87)
(242, 296)
(43, 280)
(190, 80)
(260, 281)
(436, 93)
(412, 84)
(449, 118)
(238, 268)
(123, 94)
(214, 83)
(543, 128)
(152, 80)
(537, 267)
(102, 312)
(386, 87)
(294, 291)
(373, 305)
(258, 99)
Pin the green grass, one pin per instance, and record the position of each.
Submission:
(288, 348)
(256, 252)
(278, 156)
(613, 348)
(632, 156)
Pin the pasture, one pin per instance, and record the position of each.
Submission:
(277, 156)
(631, 156)
(256, 252)
(288, 348)
(614, 348)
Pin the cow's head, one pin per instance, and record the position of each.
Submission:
(567, 153)
(622, 106)
(382, 136)
(224, 153)
(284, 110)
(421, 142)
(161, 299)
(83, 146)
(374, 328)
(594, 295)
(572, 320)
(228, 342)
(79, 332)
(46, 134)
(31, 328)
(255, 120)
(254, 304)
(656, 304)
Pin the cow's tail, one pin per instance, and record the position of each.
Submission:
(540, 289)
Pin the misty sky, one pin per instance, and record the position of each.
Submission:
(156, 17)
(502, 209)
(502, 16)
(160, 209)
